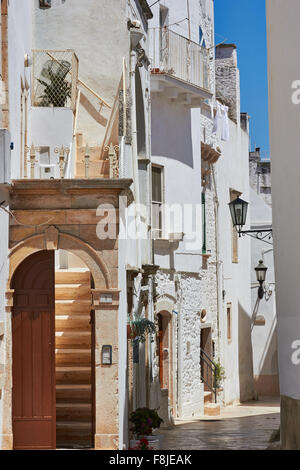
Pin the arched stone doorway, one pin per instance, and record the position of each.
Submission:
(103, 315)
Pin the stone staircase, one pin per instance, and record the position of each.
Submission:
(98, 166)
(73, 359)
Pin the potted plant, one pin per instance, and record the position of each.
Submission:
(57, 89)
(140, 327)
(141, 444)
(144, 421)
(219, 375)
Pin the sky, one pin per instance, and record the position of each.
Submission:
(243, 22)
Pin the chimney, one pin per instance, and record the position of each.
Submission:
(228, 79)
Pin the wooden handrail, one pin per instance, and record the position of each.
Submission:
(82, 83)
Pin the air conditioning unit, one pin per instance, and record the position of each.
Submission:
(5, 157)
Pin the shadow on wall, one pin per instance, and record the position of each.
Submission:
(267, 382)
(171, 126)
(245, 356)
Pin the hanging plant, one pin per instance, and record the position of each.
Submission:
(140, 327)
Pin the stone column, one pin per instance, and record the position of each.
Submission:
(106, 376)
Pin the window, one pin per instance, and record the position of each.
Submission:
(157, 200)
(229, 322)
(234, 235)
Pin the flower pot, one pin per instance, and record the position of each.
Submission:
(154, 442)
(131, 332)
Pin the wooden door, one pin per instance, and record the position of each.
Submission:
(33, 348)
(160, 351)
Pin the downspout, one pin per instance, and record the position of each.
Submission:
(4, 63)
(216, 211)
(134, 150)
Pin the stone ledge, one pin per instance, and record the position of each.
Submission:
(79, 184)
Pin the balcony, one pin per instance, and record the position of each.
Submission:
(179, 68)
(55, 78)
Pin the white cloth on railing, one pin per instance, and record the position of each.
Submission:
(221, 123)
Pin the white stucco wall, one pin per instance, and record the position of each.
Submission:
(284, 115)
(264, 337)
(19, 44)
(99, 36)
(232, 172)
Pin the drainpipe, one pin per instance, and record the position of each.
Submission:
(134, 149)
(179, 355)
(219, 284)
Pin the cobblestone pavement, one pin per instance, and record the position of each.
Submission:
(247, 426)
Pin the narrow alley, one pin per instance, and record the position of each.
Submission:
(247, 426)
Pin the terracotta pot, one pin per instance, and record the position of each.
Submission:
(131, 332)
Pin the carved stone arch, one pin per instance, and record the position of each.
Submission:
(165, 303)
(52, 239)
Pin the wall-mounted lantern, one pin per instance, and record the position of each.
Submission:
(106, 355)
(261, 271)
(238, 210)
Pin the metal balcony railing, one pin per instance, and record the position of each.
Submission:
(179, 57)
(55, 78)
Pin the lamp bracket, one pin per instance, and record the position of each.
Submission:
(262, 235)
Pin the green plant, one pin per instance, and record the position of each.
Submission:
(141, 327)
(57, 90)
(144, 420)
(219, 374)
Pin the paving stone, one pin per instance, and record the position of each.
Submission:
(247, 426)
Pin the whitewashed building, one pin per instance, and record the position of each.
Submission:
(284, 116)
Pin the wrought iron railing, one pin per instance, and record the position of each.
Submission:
(209, 372)
(175, 55)
(40, 164)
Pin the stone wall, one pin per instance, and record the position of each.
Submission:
(228, 79)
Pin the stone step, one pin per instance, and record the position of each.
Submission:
(72, 277)
(81, 307)
(74, 393)
(79, 412)
(73, 339)
(72, 357)
(208, 397)
(72, 292)
(74, 434)
(94, 152)
(99, 169)
(212, 409)
(72, 322)
(73, 375)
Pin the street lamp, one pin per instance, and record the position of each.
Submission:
(238, 210)
(261, 271)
